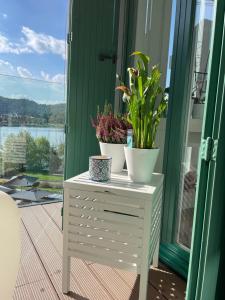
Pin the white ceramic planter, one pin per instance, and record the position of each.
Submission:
(140, 163)
(116, 151)
(198, 111)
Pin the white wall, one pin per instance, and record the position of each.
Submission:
(152, 31)
(152, 38)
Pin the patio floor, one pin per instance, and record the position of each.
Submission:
(41, 272)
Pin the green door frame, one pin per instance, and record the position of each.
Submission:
(170, 252)
(207, 256)
(68, 89)
(206, 268)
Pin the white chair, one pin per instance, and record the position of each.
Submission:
(10, 245)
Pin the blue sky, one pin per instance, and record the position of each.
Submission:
(32, 49)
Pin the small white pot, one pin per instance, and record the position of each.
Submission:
(140, 163)
(116, 152)
(198, 111)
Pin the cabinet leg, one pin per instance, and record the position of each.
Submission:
(66, 274)
(155, 261)
(143, 290)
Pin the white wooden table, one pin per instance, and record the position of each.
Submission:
(116, 223)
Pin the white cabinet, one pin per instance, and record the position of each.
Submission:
(116, 223)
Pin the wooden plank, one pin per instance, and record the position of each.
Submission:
(22, 292)
(133, 280)
(32, 281)
(87, 282)
(168, 283)
(21, 277)
(103, 197)
(92, 289)
(105, 205)
(119, 287)
(35, 291)
(54, 212)
(113, 283)
(101, 244)
(112, 235)
(103, 261)
(47, 253)
(119, 185)
(126, 229)
(107, 216)
(30, 262)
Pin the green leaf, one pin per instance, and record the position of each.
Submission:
(140, 86)
(144, 58)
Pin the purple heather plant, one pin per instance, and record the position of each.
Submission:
(110, 127)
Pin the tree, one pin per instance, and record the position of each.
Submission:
(38, 154)
(55, 161)
(60, 150)
(30, 148)
(42, 153)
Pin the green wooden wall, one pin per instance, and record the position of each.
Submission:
(91, 81)
(206, 272)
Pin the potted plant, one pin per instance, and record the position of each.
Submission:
(111, 132)
(146, 104)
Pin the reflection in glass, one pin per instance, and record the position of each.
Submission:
(187, 188)
(32, 139)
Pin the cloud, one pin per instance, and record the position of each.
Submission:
(14, 85)
(8, 47)
(43, 43)
(6, 68)
(33, 42)
(39, 91)
(5, 16)
(58, 78)
(23, 72)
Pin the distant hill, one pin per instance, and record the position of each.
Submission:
(52, 113)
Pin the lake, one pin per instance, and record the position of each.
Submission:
(55, 136)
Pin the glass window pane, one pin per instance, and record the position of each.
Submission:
(202, 36)
(32, 100)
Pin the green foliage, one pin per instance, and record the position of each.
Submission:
(42, 156)
(39, 153)
(110, 127)
(145, 100)
(61, 150)
(44, 176)
(29, 112)
(54, 161)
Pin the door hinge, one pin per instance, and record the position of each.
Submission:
(62, 212)
(69, 37)
(209, 149)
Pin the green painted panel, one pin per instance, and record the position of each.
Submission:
(176, 257)
(179, 92)
(91, 81)
(207, 255)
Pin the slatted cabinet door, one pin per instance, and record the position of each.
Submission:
(105, 230)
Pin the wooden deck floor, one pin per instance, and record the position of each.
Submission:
(40, 271)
